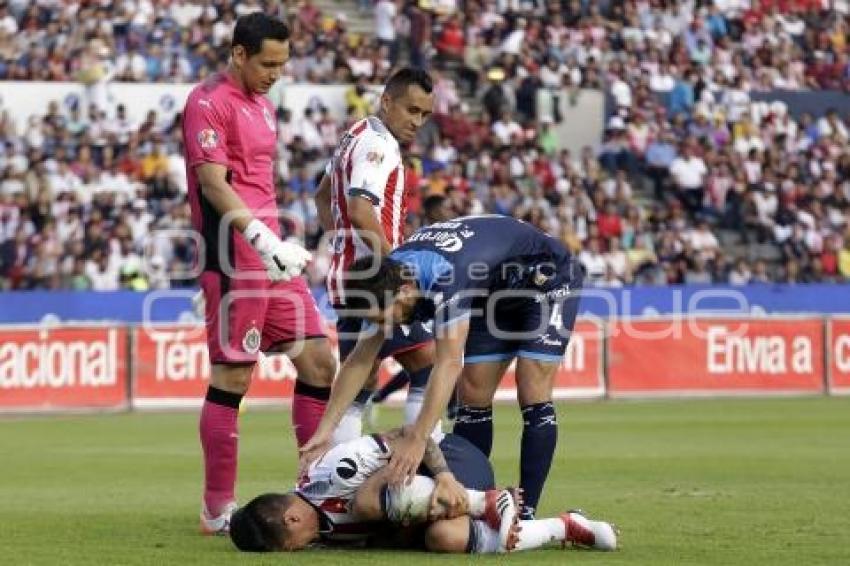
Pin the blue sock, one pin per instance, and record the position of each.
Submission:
(396, 382)
(419, 378)
(362, 398)
(476, 425)
(539, 437)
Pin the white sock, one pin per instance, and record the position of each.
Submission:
(350, 426)
(409, 503)
(413, 404)
(485, 540)
(412, 408)
(540, 532)
(477, 502)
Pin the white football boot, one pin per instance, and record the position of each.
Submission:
(586, 533)
(219, 525)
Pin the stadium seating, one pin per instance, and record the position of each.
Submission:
(702, 174)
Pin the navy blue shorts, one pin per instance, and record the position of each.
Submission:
(404, 337)
(536, 325)
(468, 464)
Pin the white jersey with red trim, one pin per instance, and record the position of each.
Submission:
(331, 482)
(366, 164)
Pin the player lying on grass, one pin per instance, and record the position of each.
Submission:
(343, 497)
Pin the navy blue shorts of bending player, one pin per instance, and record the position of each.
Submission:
(468, 464)
(535, 325)
(404, 338)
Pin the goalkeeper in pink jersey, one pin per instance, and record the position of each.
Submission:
(255, 299)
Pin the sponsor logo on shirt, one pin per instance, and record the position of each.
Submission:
(375, 157)
(450, 243)
(549, 341)
(445, 240)
(559, 293)
(208, 139)
(346, 468)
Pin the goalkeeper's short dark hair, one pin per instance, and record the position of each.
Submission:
(252, 29)
(258, 526)
(370, 284)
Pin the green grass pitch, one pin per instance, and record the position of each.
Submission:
(688, 482)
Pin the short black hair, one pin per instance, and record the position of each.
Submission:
(252, 29)
(432, 203)
(369, 285)
(258, 526)
(405, 77)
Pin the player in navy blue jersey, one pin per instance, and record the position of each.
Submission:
(496, 289)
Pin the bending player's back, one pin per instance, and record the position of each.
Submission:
(486, 240)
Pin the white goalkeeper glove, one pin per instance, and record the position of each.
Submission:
(283, 260)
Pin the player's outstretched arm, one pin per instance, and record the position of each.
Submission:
(350, 380)
(447, 367)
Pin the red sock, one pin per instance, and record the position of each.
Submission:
(220, 441)
(308, 406)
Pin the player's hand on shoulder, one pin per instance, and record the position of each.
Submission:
(312, 450)
(282, 260)
(449, 499)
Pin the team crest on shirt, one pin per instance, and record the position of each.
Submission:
(251, 341)
(540, 279)
(375, 157)
(267, 116)
(208, 139)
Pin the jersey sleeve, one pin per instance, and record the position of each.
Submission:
(353, 462)
(205, 131)
(371, 164)
(452, 303)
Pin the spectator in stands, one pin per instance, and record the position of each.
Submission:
(688, 173)
(386, 16)
(740, 273)
(593, 263)
(680, 76)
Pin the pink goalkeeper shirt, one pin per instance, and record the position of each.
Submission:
(224, 124)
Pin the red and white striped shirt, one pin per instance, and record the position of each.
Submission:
(331, 483)
(366, 164)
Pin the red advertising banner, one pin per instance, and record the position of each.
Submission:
(581, 373)
(63, 368)
(839, 355)
(172, 369)
(715, 356)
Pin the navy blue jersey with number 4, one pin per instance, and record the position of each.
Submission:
(461, 263)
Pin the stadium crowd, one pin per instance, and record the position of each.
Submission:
(694, 181)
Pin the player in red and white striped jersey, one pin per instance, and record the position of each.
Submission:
(362, 203)
(343, 497)
(367, 164)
